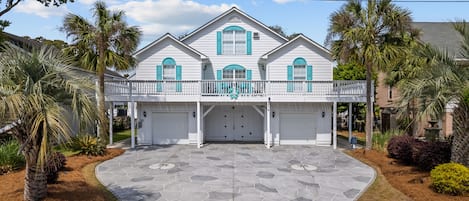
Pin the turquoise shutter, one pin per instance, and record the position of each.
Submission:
(290, 78)
(249, 43)
(219, 50)
(309, 77)
(159, 77)
(248, 74)
(248, 83)
(219, 83)
(178, 77)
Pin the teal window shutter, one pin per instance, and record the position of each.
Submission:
(249, 42)
(309, 77)
(219, 84)
(290, 78)
(248, 74)
(219, 50)
(248, 87)
(178, 77)
(159, 77)
(219, 74)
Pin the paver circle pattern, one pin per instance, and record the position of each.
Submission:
(244, 172)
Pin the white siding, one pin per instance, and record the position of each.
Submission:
(205, 41)
(277, 63)
(144, 135)
(190, 62)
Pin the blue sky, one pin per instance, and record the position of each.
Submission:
(156, 17)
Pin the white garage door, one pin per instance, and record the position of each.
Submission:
(297, 129)
(170, 128)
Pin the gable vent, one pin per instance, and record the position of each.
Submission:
(256, 35)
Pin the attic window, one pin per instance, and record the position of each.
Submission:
(256, 35)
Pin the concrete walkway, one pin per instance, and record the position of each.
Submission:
(242, 172)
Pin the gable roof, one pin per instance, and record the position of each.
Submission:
(299, 37)
(170, 37)
(441, 35)
(232, 10)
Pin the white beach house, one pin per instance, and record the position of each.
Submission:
(235, 80)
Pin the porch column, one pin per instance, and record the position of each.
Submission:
(111, 114)
(132, 118)
(334, 125)
(97, 103)
(199, 115)
(132, 124)
(350, 122)
(268, 124)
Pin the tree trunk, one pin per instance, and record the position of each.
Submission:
(459, 149)
(369, 108)
(35, 181)
(101, 68)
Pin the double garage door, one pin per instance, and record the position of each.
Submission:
(297, 128)
(170, 128)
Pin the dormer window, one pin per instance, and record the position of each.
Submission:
(234, 40)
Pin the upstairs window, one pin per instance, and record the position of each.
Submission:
(169, 69)
(234, 40)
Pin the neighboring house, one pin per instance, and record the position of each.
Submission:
(235, 80)
(442, 36)
(29, 44)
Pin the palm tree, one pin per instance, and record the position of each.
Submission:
(109, 42)
(34, 91)
(440, 80)
(372, 36)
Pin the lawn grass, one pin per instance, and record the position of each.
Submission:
(121, 135)
(90, 177)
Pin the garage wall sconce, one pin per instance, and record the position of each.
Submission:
(144, 113)
(273, 114)
(193, 114)
(323, 114)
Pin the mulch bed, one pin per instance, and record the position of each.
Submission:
(407, 179)
(71, 184)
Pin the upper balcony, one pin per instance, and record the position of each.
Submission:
(235, 91)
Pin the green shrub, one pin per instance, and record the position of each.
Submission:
(450, 178)
(10, 158)
(380, 140)
(55, 162)
(89, 145)
(120, 123)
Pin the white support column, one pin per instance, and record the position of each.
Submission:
(269, 135)
(132, 118)
(97, 103)
(132, 124)
(334, 125)
(111, 114)
(349, 122)
(199, 115)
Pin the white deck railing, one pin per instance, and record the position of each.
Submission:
(335, 88)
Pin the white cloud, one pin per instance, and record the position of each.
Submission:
(90, 2)
(36, 8)
(173, 16)
(285, 1)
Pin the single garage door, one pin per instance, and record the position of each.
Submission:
(297, 129)
(170, 128)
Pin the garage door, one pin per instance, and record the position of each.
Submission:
(297, 129)
(170, 128)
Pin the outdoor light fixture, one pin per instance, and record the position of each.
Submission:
(323, 114)
(144, 113)
(273, 114)
(193, 114)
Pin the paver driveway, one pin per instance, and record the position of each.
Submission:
(242, 172)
